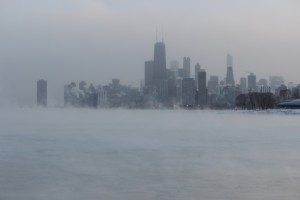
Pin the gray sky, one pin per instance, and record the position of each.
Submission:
(97, 40)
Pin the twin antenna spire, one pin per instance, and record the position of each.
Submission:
(162, 34)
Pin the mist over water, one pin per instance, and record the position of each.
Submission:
(59, 154)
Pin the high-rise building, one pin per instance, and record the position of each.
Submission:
(212, 85)
(243, 84)
(187, 67)
(160, 71)
(174, 66)
(42, 93)
(229, 74)
(202, 91)
(188, 92)
(172, 89)
(159, 62)
(163, 90)
(229, 60)
(252, 82)
(149, 73)
(197, 69)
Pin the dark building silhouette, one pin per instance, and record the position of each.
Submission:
(181, 72)
(212, 85)
(160, 79)
(42, 93)
(229, 74)
(252, 82)
(243, 84)
(186, 67)
(149, 73)
(202, 91)
(188, 92)
(174, 66)
(159, 62)
(163, 90)
(197, 69)
(172, 90)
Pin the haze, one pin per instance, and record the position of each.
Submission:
(72, 40)
(70, 154)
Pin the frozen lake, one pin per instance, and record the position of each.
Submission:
(74, 154)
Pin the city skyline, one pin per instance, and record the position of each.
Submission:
(151, 100)
(173, 88)
(62, 41)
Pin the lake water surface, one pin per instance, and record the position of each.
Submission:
(78, 154)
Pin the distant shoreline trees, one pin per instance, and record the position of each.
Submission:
(255, 100)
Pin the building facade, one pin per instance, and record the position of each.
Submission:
(149, 73)
(186, 67)
(188, 92)
(252, 82)
(42, 93)
(159, 62)
(243, 84)
(213, 84)
(229, 73)
(202, 90)
(197, 70)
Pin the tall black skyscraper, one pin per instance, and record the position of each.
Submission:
(202, 91)
(243, 84)
(42, 93)
(159, 62)
(212, 85)
(252, 82)
(197, 69)
(229, 74)
(149, 73)
(160, 71)
(188, 92)
(186, 67)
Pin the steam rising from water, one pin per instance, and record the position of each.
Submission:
(131, 155)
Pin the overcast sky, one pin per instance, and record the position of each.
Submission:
(97, 40)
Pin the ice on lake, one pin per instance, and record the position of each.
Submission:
(76, 154)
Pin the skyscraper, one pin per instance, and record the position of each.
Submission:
(243, 84)
(197, 69)
(252, 82)
(159, 62)
(188, 92)
(160, 71)
(212, 85)
(187, 67)
(149, 73)
(174, 66)
(42, 93)
(202, 91)
(229, 74)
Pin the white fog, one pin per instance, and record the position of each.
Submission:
(64, 154)
(205, 84)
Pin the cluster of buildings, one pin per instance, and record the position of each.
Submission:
(175, 87)
(112, 95)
